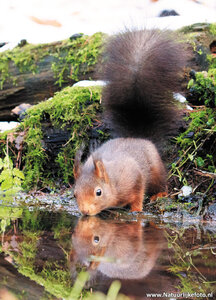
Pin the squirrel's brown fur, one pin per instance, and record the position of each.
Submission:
(124, 169)
(142, 70)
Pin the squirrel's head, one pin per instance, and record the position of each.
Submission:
(93, 189)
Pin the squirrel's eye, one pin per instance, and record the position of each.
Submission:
(96, 239)
(98, 192)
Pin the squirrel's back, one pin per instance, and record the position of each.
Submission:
(122, 152)
(142, 69)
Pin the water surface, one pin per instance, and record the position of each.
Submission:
(42, 251)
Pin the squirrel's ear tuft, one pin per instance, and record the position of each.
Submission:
(100, 170)
(77, 169)
(77, 164)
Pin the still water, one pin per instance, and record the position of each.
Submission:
(42, 252)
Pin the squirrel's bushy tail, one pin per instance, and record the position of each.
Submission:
(142, 69)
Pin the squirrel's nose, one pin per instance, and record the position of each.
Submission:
(85, 212)
(89, 210)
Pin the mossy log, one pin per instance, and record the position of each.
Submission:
(45, 142)
(32, 73)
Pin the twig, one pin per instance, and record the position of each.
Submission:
(204, 173)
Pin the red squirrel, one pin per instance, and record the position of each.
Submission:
(142, 70)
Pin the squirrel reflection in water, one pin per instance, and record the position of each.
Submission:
(114, 249)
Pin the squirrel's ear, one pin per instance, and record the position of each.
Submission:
(77, 165)
(100, 170)
(77, 169)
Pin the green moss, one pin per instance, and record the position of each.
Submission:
(204, 87)
(212, 29)
(197, 143)
(69, 59)
(26, 59)
(212, 63)
(77, 57)
(73, 110)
